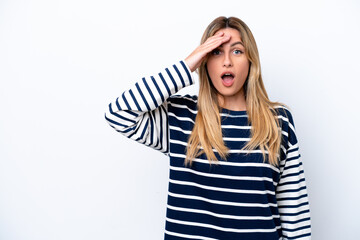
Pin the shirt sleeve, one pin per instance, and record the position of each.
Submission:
(291, 192)
(140, 113)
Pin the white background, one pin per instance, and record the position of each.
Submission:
(65, 174)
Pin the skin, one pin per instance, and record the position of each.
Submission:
(225, 53)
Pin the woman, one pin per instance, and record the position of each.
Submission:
(235, 169)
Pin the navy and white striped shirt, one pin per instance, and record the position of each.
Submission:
(240, 198)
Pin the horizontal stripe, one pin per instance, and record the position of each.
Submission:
(183, 107)
(237, 164)
(212, 175)
(219, 228)
(181, 118)
(180, 130)
(235, 127)
(193, 99)
(188, 236)
(295, 218)
(240, 204)
(222, 215)
(236, 139)
(226, 115)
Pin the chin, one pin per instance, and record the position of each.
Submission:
(228, 92)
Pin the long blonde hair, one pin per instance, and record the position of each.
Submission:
(206, 135)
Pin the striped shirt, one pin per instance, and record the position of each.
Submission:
(241, 197)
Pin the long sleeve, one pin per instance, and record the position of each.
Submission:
(140, 113)
(291, 192)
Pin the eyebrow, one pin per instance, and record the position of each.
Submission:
(235, 43)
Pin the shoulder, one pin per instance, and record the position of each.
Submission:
(286, 122)
(285, 116)
(283, 112)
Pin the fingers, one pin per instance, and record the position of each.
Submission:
(215, 41)
(197, 56)
(219, 37)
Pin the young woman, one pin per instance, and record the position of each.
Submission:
(235, 168)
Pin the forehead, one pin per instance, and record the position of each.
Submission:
(235, 34)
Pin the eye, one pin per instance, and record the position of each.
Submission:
(237, 52)
(215, 52)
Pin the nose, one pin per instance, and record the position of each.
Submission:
(227, 62)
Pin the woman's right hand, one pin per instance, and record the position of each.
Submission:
(198, 55)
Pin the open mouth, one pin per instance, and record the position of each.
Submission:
(227, 79)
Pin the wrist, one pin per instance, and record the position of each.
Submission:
(190, 64)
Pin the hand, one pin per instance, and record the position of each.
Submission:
(198, 55)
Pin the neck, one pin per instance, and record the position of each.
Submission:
(235, 103)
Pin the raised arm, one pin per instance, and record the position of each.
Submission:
(140, 113)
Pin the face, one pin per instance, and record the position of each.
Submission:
(228, 67)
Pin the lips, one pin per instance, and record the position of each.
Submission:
(227, 79)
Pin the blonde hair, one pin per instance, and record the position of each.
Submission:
(206, 135)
